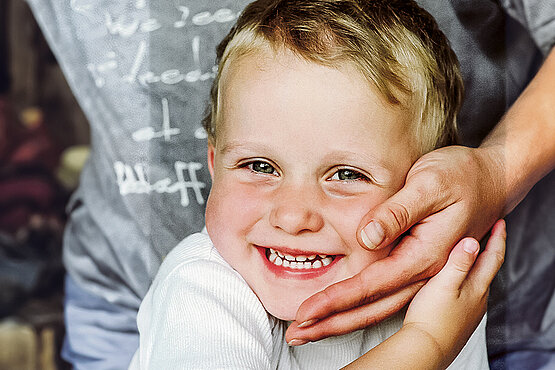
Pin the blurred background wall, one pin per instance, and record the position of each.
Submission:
(43, 144)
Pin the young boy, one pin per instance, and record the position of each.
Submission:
(318, 111)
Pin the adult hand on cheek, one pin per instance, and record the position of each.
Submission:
(449, 193)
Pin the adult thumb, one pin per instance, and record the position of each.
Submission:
(390, 219)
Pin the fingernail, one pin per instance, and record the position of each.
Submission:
(470, 246)
(306, 323)
(372, 235)
(297, 342)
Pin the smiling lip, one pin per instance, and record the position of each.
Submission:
(291, 273)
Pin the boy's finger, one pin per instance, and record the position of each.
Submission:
(458, 265)
(490, 260)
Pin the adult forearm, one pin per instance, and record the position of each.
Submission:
(522, 145)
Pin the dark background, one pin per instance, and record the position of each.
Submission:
(40, 124)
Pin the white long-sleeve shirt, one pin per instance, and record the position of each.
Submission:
(200, 314)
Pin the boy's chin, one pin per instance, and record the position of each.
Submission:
(288, 317)
(284, 317)
(281, 312)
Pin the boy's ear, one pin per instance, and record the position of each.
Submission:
(211, 159)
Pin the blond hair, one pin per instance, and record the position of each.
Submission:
(396, 45)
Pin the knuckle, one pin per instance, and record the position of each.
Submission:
(364, 296)
(328, 297)
(462, 267)
(435, 180)
(434, 186)
(399, 216)
(369, 321)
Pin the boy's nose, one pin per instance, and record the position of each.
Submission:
(294, 212)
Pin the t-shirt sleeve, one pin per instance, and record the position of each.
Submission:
(474, 354)
(536, 16)
(202, 315)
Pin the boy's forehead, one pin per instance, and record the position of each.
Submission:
(263, 64)
(275, 59)
(241, 65)
(266, 65)
(280, 87)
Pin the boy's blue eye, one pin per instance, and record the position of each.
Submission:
(346, 174)
(262, 167)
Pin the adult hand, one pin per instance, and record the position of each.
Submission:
(449, 193)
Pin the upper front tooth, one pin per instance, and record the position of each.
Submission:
(311, 257)
(301, 258)
(289, 257)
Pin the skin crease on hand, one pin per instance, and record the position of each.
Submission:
(457, 189)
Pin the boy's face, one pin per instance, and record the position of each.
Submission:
(303, 152)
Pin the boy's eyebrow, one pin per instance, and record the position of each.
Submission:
(336, 154)
(351, 155)
(239, 145)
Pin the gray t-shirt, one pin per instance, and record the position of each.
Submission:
(141, 70)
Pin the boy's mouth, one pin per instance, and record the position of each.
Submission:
(298, 262)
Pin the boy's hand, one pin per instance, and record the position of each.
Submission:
(450, 306)
(449, 193)
(444, 313)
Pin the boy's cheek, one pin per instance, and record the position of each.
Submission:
(347, 213)
(232, 206)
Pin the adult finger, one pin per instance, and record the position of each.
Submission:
(418, 199)
(379, 279)
(357, 318)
